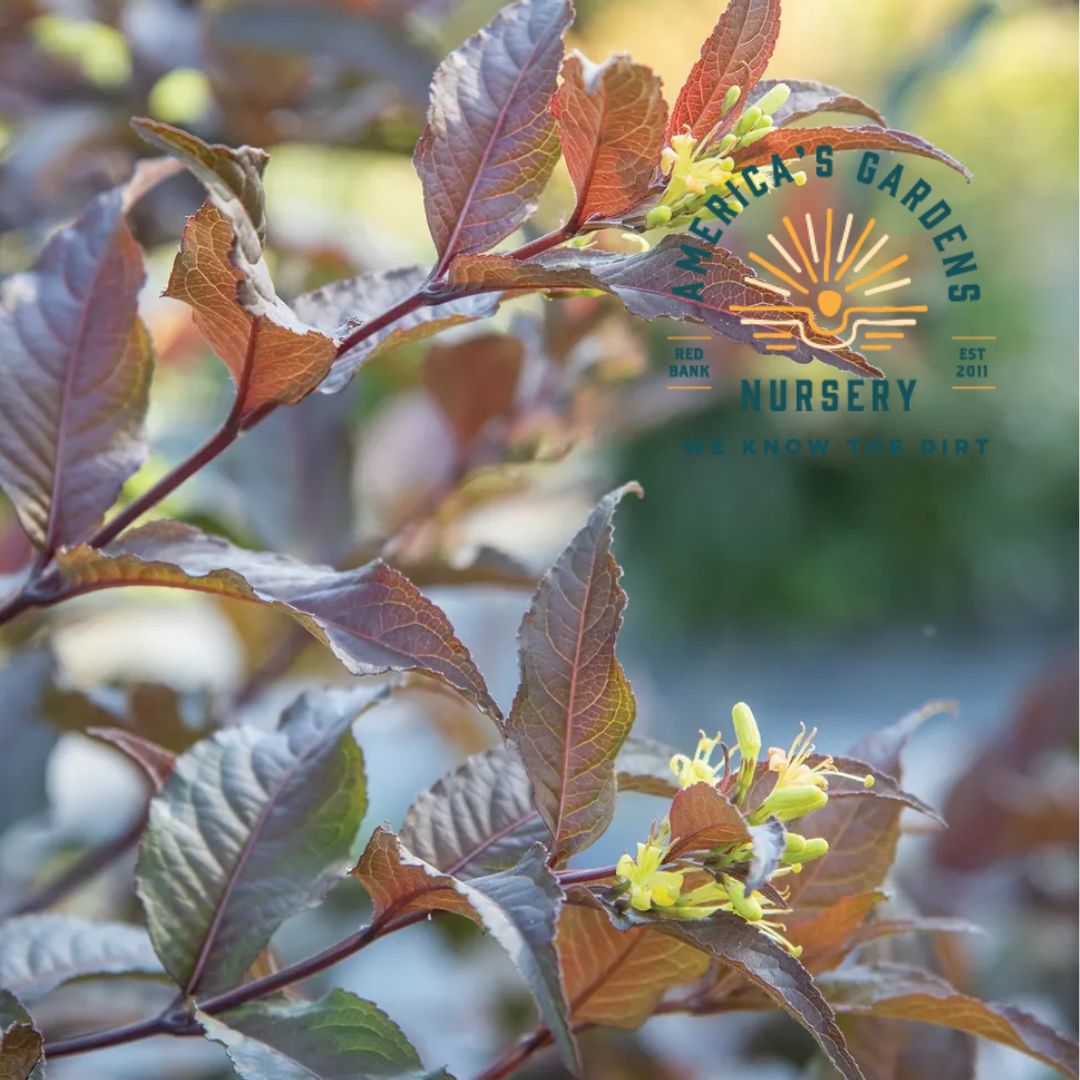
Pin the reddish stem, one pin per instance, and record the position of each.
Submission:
(516, 1056)
(167, 1024)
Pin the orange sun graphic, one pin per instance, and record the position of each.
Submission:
(834, 287)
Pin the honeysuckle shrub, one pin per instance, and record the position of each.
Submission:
(756, 886)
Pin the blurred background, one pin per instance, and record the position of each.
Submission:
(840, 592)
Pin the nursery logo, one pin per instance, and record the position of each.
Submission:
(848, 281)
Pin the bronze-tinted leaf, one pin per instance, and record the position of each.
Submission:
(909, 993)
(611, 125)
(899, 1050)
(518, 907)
(825, 938)
(490, 143)
(809, 97)
(787, 143)
(701, 818)
(765, 965)
(574, 707)
(736, 53)
(477, 819)
(75, 364)
(644, 283)
(473, 381)
(343, 306)
(862, 832)
(553, 270)
(272, 360)
(616, 978)
(372, 618)
(21, 1044)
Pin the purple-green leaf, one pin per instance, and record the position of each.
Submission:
(343, 306)
(809, 97)
(339, 1035)
(764, 964)
(574, 707)
(477, 819)
(75, 364)
(40, 952)
(250, 828)
(518, 907)
(373, 618)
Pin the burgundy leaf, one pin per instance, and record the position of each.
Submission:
(490, 142)
(736, 53)
(701, 818)
(862, 832)
(611, 126)
(644, 283)
(765, 965)
(809, 97)
(372, 618)
(801, 142)
(574, 707)
(157, 762)
(75, 363)
(909, 993)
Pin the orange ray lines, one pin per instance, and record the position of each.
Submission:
(754, 257)
(898, 261)
(855, 250)
(800, 249)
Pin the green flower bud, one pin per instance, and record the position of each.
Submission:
(744, 905)
(725, 144)
(776, 97)
(730, 98)
(814, 849)
(763, 123)
(657, 217)
(753, 136)
(747, 121)
(794, 844)
(788, 803)
(746, 731)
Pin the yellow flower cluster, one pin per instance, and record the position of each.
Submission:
(696, 168)
(799, 788)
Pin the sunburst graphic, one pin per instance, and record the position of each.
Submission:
(834, 287)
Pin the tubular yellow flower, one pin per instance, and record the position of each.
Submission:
(791, 767)
(698, 769)
(649, 885)
(746, 906)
